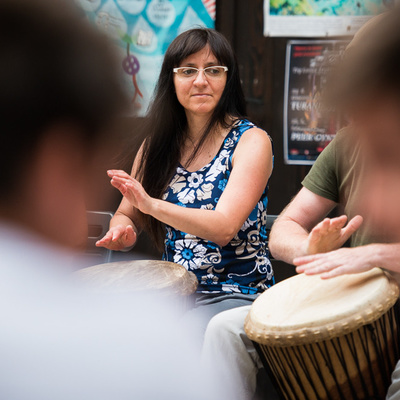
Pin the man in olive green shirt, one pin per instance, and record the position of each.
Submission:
(339, 177)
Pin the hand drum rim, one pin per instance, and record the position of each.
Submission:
(296, 311)
(138, 276)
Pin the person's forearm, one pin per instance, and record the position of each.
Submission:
(207, 224)
(385, 256)
(287, 240)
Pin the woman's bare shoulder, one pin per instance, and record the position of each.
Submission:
(256, 137)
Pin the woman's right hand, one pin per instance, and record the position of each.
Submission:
(118, 238)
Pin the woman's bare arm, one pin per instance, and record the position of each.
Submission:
(252, 167)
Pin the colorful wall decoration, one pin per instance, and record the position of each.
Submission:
(319, 18)
(143, 29)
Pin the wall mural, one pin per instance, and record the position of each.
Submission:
(143, 29)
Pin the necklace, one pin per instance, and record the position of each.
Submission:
(208, 150)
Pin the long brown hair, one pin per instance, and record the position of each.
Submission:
(166, 124)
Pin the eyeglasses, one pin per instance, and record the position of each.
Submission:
(192, 73)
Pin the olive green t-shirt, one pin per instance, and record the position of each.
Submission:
(337, 175)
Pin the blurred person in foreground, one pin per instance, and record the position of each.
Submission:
(59, 92)
(358, 171)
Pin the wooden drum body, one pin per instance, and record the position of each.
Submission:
(328, 339)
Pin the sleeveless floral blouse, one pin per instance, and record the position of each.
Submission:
(242, 266)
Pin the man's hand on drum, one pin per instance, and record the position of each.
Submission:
(331, 234)
(132, 190)
(338, 262)
(118, 238)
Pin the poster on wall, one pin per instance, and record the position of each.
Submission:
(307, 128)
(319, 18)
(143, 30)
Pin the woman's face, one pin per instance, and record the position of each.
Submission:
(199, 95)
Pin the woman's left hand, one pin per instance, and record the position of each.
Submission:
(132, 190)
(339, 262)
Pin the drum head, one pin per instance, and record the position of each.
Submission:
(306, 309)
(140, 275)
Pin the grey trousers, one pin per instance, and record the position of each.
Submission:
(394, 389)
(206, 306)
(229, 355)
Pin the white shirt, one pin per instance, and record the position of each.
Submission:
(58, 342)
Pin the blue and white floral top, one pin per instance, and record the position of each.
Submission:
(242, 266)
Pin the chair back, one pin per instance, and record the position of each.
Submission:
(98, 225)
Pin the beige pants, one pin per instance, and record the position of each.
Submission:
(394, 389)
(229, 356)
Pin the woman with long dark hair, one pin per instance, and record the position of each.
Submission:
(199, 182)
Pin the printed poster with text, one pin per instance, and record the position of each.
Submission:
(319, 18)
(308, 129)
(143, 30)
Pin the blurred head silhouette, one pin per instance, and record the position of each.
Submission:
(59, 96)
(59, 92)
(366, 87)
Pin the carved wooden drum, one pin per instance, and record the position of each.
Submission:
(328, 339)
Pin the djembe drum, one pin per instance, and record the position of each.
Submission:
(162, 277)
(328, 339)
